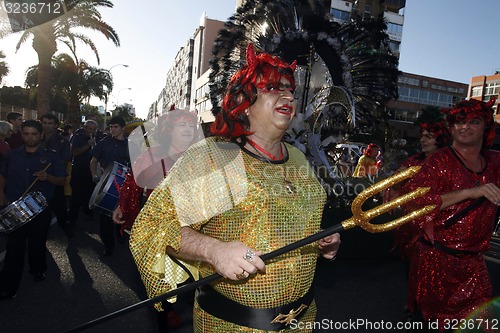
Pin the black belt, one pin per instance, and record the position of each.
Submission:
(269, 319)
(441, 247)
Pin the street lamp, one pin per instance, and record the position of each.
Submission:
(118, 95)
(107, 96)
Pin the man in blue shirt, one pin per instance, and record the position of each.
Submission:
(16, 139)
(113, 148)
(82, 143)
(23, 166)
(53, 140)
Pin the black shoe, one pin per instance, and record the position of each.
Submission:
(107, 252)
(38, 277)
(4, 294)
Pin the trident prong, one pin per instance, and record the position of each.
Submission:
(362, 219)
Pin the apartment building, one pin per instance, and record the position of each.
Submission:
(177, 89)
(178, 80)
(204, 38)
(391, 10)
(186, 84)
(484, 87)
(415, 93)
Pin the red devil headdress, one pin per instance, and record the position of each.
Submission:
(259, 70)
(470, 109)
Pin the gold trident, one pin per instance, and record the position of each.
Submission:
(362, 219)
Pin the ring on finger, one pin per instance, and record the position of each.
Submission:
(241, 275)
(249, 255)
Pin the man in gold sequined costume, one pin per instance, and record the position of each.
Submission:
(231, 198)
(367, 165)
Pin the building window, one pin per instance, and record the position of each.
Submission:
(393, 28)
(425, 97)
(433, 96)
(476, 91)
(394, 47)
(492, 89)
(446, 88)
(340, 14)
(456, 100)
(405, 115)
(409, 81)
(414, 95)
(368, 10)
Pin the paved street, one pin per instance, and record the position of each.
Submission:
(364, 282)
(80, 286)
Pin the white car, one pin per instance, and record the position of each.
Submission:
(352, 148)
(345, 156)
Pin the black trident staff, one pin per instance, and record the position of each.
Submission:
(359, 218)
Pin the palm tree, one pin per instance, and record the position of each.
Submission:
(83, 14)
(75, 81)
(4, 69)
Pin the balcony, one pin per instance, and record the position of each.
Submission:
(393, 4)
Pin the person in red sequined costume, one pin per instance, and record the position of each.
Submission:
(178, 127)
(448, 275)
(177, 131)
(434, 135)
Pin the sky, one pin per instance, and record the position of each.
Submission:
(448, 39)
(451, 39)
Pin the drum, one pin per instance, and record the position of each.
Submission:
(21, 211)
(104, 199)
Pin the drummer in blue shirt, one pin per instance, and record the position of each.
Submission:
(33, 167)
(113, 148)
(82, 186)
(53, 140)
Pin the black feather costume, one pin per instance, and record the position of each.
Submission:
(345, 74)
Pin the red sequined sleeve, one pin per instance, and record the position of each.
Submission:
(129, 200)
(431, 175)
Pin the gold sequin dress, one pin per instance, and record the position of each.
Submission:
(226, 192)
